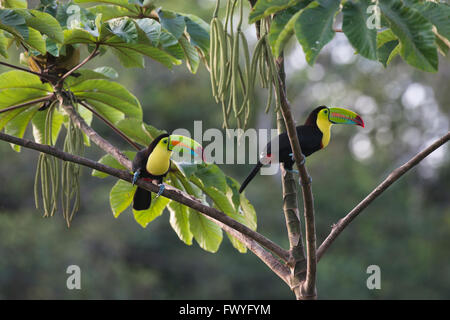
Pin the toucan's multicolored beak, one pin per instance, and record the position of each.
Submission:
(178, 142)
(344, 116)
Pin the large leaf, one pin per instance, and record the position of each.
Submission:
(172, 22)
(191, 54)
(44, 23)
(264, 8)
(135, 130)
(207, 234)
(109, 93)
(282, 27)
(437, 13)
(77, 35)
(17, 87)
(21, 4)
(144, 217)
(179, 220)
(314, 27)
(3, 44)
(110, 161)
(13, 22)
(198, 31)
(18, 125)
(354, 25)
(123, 28)
(39, 125)
(414, 32)
(120, 3)
(151, 28)
(121, 196)
(110, 11)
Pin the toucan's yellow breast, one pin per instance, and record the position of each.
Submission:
(158, 162)
(325, 127)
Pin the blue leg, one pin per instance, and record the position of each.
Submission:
(161, 189)
(293, 158)
(292, 170)
(136, 176)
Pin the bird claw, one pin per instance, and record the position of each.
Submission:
(306, 182)
(161, 189)
(292, 170)
(136, 177)
(293, 158)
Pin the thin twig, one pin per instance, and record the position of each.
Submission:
(169, 192)
(45, 76)
(17, 106)
(111, 125)
(78, 66)
(393, 177)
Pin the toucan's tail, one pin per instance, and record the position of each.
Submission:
(250, 176)
(142, 199)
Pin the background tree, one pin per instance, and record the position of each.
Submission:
(121, 34)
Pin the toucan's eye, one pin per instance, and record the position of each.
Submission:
(165, 141)
(326, 111)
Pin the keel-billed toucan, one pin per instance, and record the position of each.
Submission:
(313, 136)
(153, 163)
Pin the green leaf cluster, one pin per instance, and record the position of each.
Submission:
(419, 29)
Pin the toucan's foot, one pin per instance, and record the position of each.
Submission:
(136, 176)
(308, 181)
(161, 190)
(293, 158)
(292, 170)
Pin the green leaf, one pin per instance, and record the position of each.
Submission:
(72, 36)
(129, 58)
(39, 125)
(264, 8)
(211, 176)
(108, 72)
(385, 36)
(144, 217)
(207, 234)
(191, 54)
(13, 22)
(128, 53)
(282, 27)
(44, 23)
(172, 22)
(110, 161)
(385, 51)
(134, 129)
(20, 4)
(314, 27)
(354, 26)
(198, 31)
(121, 196)
(152, 131)
(437, 13)
(415, 34)
(151, 28)
(123, 28)
(120, 3)
(109, 12)
(36, 41)
(179, 220)
(17, 126)
(108, 93)
(3, 44)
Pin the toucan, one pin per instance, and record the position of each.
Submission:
(153, 163)
(313, 136)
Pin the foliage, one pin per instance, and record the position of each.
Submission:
(419, 28)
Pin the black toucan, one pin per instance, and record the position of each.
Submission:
(153, 163)
(313, 136)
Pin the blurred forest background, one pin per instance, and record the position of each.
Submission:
(406, 231)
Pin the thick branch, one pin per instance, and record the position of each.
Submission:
(169, 192)
(393, 177)
(305, 179)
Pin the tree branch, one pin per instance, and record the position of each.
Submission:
(308, 287)
(78, 66)
(112, 126)
(45, 76)
(393, 177)
(17, 106)
(169, 192)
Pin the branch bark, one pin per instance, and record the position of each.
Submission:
(253, 240)
(392, 177)
(78, 66)
(307, 290)
(17, 106)
(44, 76)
